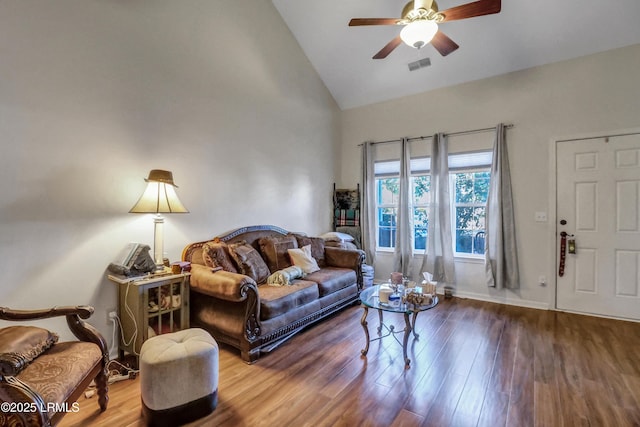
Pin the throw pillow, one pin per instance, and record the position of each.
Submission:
(336, 236)
(216, 254)
(249, 261)
(342, 245)
(303, 259)
(19, 345)
(274, 251)
(317, 247)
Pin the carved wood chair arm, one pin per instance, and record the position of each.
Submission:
(74, 314)
(82, 311)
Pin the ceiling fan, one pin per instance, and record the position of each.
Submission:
(421, 18)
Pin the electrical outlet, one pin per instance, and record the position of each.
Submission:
(111, 314)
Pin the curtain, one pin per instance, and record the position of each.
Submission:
(501, 258)
(404, 220)
(368, 214)
(438, 259)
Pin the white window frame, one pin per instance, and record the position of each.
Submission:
(418, 205)
(454, 205)
(382, 206)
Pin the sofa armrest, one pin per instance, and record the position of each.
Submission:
(345, 258)
(221, 284)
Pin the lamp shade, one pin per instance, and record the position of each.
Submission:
(160, 195)
(418, 33)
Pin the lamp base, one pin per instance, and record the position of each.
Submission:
(158, 241)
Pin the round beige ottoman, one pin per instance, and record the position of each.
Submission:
(178, 377)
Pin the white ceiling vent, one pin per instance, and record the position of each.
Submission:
(424, 62)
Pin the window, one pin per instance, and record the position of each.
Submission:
(421, 185)
(387, 190)
(470, 193)
(469, 180)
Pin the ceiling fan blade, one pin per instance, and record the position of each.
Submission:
(355, 22)
(385, 51)
(443, 43)
(469, 10)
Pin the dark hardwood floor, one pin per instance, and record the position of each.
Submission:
(475, 364)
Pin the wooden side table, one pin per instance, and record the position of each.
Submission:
(150, 305)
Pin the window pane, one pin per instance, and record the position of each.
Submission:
(420, 228)
(464, 188)
(472, 187)
(481, 186)
(464, 241)
(470, 241)
(470, 224)
(388, 190)
(421, 186)
(386, 227)
(470, 218)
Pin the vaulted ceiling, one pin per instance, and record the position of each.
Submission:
(526, 33)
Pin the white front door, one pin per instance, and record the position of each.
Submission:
(598, 202)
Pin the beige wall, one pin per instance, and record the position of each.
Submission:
(593, 94)
(94, 94)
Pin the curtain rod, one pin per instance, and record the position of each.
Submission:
(464, 132)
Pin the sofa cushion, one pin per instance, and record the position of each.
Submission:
(274, 251)
(19, 345)
(277, 300)
(216, 254)
(317, 247)
(331, 279)
(249, 261)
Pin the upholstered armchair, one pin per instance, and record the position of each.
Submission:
(40, 378)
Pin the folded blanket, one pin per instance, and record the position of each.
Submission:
(285, 276)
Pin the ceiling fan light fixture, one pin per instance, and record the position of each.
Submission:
(418, 33)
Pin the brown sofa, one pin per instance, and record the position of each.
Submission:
(238, 307)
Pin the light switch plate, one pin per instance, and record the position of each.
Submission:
(541, 217)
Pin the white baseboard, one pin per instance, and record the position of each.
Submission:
(508, 301)
(483, 297)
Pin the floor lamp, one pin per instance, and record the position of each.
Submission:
(159, 198)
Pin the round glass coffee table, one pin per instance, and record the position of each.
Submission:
(369, 299)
